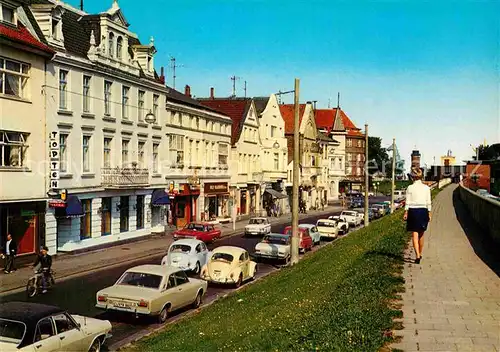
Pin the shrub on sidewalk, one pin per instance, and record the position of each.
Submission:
(335, 299)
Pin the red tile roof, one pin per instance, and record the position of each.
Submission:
(21, 35)
(288, 114)
(325, 118)
(235, 108)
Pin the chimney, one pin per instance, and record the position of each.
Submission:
(211, 92)
(81, 5)
(187, 91)
(162, 75)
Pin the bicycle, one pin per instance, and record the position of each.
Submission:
(34, 284)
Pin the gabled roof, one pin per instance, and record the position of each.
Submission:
(288, 114)
(21, 35)
(325, 118)
(260, 104)
(179, 97)
(235, 108)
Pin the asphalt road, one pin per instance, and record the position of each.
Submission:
(77, 295)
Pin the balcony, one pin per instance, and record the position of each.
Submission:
(123, 177)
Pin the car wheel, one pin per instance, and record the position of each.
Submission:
(197, 268)
(240, 280)
(254, 273)
(197, 301)
(31, 288)
(162, 318)
(96, 346)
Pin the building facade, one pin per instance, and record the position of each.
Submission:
(23, 136)
(105, 111)
(274, 155)
(311, 150)
(247, 178)
(199, 146)
(329, 123)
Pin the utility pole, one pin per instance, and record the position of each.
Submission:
(294, 248)
(367, 199)
(393, 185)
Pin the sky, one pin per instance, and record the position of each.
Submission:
(425, 73)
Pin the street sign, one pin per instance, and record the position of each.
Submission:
(54, 160)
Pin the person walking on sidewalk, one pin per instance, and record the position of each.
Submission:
(417, 211)
(10, 253)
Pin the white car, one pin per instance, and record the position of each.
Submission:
(328, 228)
(274, 246)
(229, 265)
(341, 224)
(28, 327)
(351, 217)
(187, 254)
(258, 226)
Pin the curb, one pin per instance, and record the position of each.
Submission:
(97, 269)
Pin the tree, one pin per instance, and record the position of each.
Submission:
(377, 155)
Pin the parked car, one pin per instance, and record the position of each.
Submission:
(38, 327)
(201, 231)
(229, 265)
(152, 290)
(399, 193)
(380, 209)
(351, 217)
(313, 232)
(258, 226)
(305, 239)
(274, 246)
(328, 228)
(187, 254)
(357, 202)
(341, 224)
(482, 192)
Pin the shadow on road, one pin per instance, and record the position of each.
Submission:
(485, 248)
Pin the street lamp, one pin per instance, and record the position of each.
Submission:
(276, 145)
(150, 117)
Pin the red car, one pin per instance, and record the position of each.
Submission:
(305, 240)
(200, 231)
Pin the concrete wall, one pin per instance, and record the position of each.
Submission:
(486, 212)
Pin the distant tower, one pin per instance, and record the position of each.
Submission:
(415, 158)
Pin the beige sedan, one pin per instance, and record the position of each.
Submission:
(154, 290)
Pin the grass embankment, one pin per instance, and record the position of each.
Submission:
(336, 299)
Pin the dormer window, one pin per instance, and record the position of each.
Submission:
(7, 14)
(119, 47)
(111, 44)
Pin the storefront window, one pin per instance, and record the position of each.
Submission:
(106, 216)
(23, 221)
(140, 212)
(86, 219)
(124, 215)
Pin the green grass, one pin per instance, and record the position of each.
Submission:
(336, 299)
(385, 187)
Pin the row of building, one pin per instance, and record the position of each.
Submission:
(96, 149)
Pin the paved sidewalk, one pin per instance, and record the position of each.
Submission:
(77, 264)
(452, 299)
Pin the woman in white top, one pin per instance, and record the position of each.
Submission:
(417, 211)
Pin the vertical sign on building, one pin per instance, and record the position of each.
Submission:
(54, 160)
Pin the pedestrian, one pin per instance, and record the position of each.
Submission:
(10, 254)
(417, 211)
(45, 261)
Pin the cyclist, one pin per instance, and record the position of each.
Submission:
(45, 261)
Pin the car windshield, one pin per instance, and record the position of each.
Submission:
(257, 221)
(326, 224)
(348, 213)
(11, 331)
(275, 240)
(140, 280)
(195, 227)
(225, 257)
(180, 248)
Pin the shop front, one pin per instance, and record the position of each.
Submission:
(216, 200)
(184, 205)
(160, 208)
(25, 221)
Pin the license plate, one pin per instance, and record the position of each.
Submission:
(121, 305)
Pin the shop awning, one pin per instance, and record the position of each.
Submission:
(276, 194)
(73, 208)
(160, 197)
